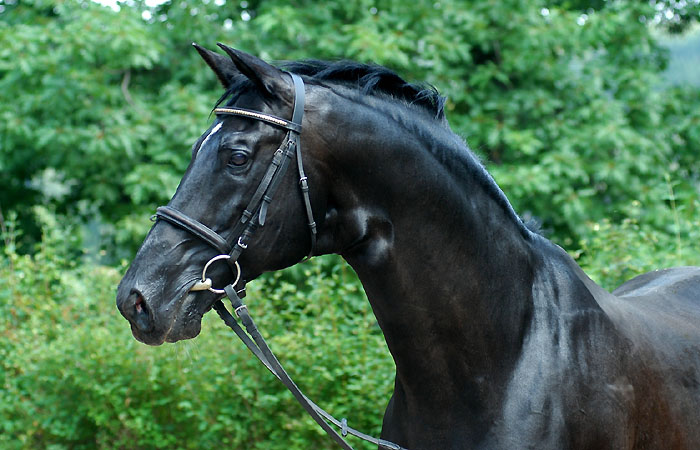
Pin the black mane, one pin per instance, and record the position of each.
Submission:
(369, 79)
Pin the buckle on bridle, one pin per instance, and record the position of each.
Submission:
(239, 309)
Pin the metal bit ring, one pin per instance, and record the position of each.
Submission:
(205, 283)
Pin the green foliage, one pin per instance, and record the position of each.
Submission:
(617, 252)
(564, 101)
(74, 377)
(81, 92)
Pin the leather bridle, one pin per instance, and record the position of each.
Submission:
(254, 216)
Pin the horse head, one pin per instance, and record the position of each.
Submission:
(225, 204)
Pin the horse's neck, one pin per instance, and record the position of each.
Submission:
(457, 309)
(446, 264)
(446, 269)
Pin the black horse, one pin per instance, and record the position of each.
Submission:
(500, 340)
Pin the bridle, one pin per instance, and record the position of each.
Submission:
(254, 216)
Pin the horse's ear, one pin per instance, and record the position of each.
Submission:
(268, 78)
(222, 66)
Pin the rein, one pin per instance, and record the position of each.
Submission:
(253, 216)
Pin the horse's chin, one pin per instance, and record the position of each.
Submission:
(188, 331)
(179, 331)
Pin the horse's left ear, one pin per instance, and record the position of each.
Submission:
(222, 66)
(268, 78)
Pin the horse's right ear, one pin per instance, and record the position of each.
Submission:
(222, 65)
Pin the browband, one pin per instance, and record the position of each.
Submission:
(268, 118)
(291, 125)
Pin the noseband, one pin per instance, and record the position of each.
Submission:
(253, 216)
(255, 213)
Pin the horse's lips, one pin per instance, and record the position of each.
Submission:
(184, 318)
(187, 319)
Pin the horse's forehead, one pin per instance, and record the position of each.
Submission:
(209, 135)
(252, 99)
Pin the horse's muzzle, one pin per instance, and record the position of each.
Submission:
(135, 309)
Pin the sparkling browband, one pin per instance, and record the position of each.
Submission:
(259, 116)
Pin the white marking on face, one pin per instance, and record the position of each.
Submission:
(211, 133)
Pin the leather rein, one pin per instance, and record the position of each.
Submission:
(253, 217)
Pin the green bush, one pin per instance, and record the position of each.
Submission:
(74, 377)
(614, 252)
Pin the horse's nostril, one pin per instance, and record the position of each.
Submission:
(138, 303)
(141, 317)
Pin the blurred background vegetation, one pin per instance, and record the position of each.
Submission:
(586, 113)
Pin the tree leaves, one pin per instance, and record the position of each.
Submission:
(101, 96)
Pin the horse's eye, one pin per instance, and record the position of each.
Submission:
(238, 159)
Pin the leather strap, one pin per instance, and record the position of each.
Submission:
(303, 180)
(299, 101)
(258, 346)
(195, 227)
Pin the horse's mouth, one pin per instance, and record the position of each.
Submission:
(178, 319)
(155, 321)
(187, 322)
